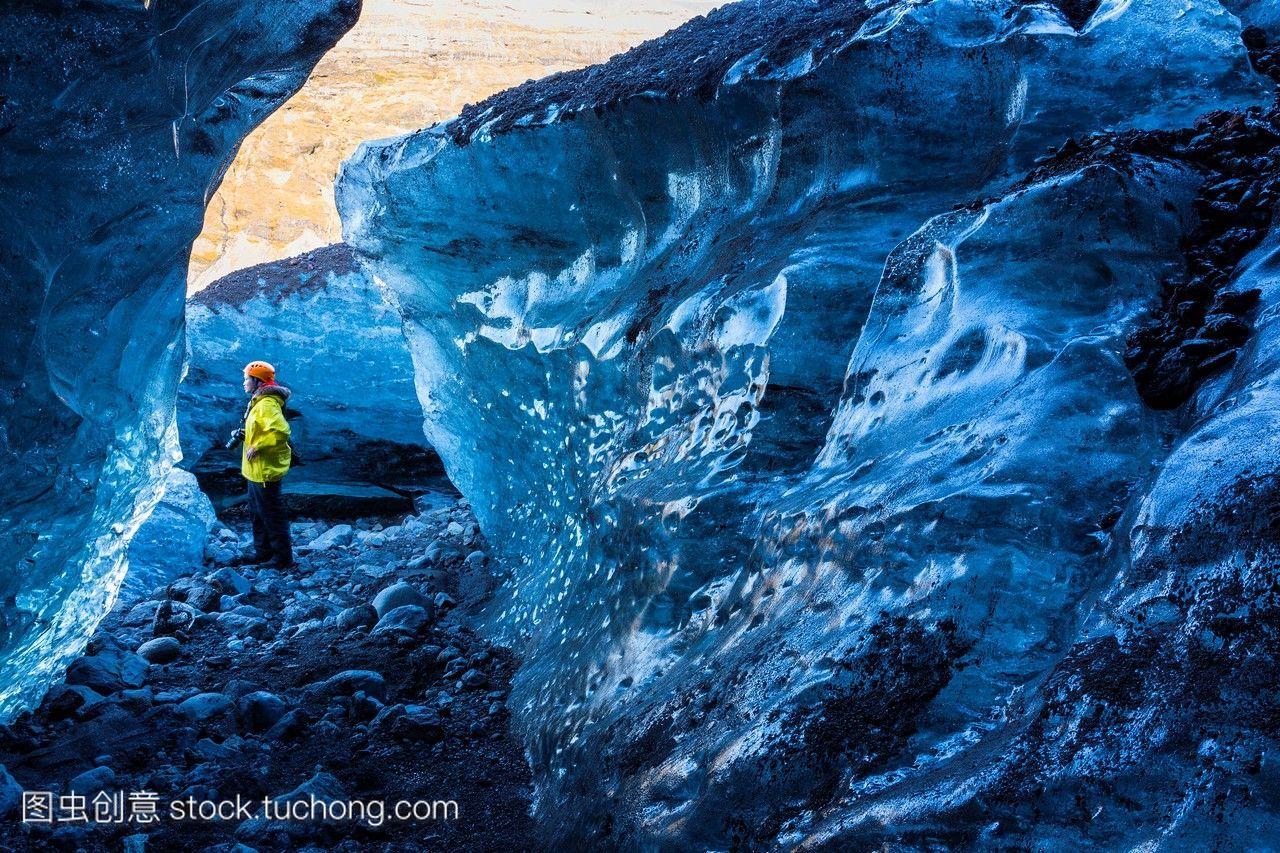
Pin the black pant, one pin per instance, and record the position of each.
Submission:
(270, 526)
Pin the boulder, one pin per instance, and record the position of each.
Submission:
(407, 619)
(230, 582)
(398, 595)
(349, 681)
(108, 671)
(259, 711)
(10, 793)
(160, 650)
(334, 537)
(353, 617)
(204, 706)
(92, 781)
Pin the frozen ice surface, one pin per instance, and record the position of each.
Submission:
(335, 342)
(117, 121)
(172, 539)
(804, 466)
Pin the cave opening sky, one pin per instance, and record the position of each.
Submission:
(405, 65)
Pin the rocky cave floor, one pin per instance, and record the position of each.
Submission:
(352, 676)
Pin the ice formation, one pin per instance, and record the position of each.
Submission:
(172, 539)
(116, 122)
(796, 405)
(332, 339)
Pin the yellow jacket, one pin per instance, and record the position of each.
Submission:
(266, 430)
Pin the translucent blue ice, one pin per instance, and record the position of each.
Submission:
(118, 120)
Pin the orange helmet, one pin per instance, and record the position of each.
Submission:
(260, 370)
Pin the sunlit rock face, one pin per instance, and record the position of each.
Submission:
(407, 63)
(335, 342)
(799, 412)
(117, 121)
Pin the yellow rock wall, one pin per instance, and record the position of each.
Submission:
(404, 66)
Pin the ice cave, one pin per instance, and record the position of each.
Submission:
(864, 417)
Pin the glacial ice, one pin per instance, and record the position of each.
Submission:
(333, 339)
(798, 416)
(172, 539)
(117, 121)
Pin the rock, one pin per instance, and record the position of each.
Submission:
(372, 539)
(230, 582)
(397, 595)
(136, 843)
(211, 750)
(108, 671)
(353, 617)
(204, 706)
(474, 678)
(205, 598)
(136, 700)
(475, 560)
(244, 626)
(172, 617)
(160, 650)
(406, 619)
(260, 710)
(92, 781)
(288, 726)
(322, 786)
(444, 601)
(455, 529)
(63, 701)
(304, 611)
(238, 687)
(168, 697)
(349, 681)
(335, 536)
(10, 793)
(420, 723)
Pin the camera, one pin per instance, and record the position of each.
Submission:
(236, 437)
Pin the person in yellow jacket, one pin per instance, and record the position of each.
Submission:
(264, 461)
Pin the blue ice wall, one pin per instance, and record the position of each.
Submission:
(116, 123)
(797, 413)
